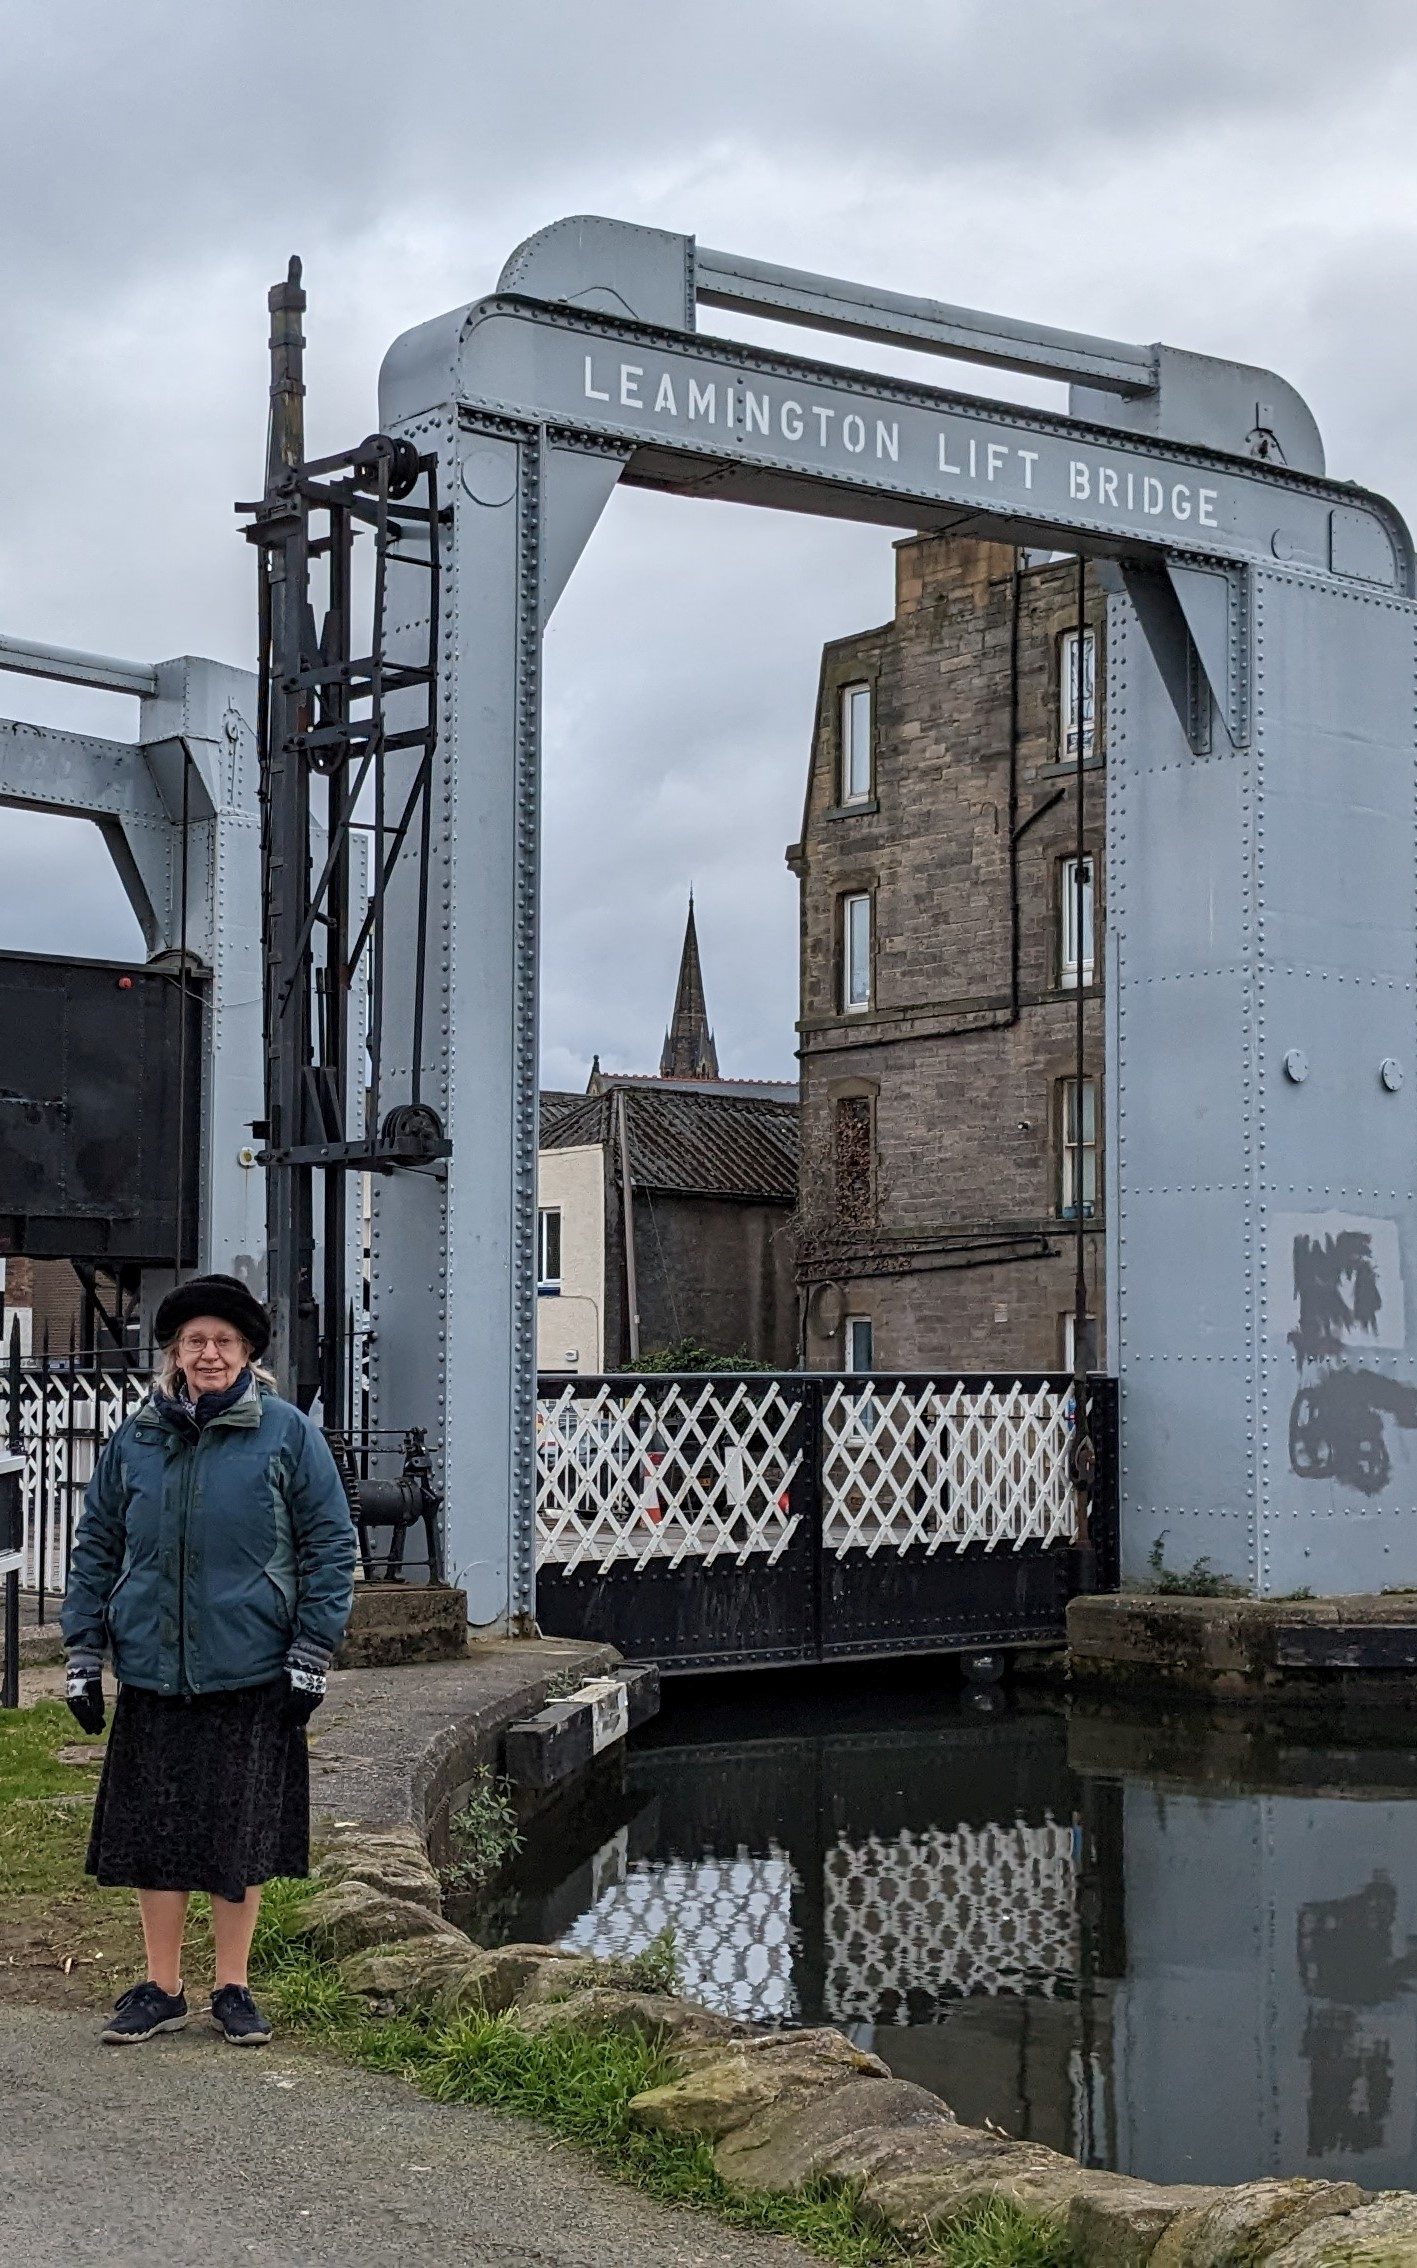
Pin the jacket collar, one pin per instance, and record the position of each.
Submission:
(246, 1411)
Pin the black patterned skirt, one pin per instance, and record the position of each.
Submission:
(211, 1793)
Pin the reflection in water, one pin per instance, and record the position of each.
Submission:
(1182, 1947)
(920, 1919)
(732, 1920)
(1348, 1962)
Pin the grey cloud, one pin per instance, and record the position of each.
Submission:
(156, 121)
(1233, 177)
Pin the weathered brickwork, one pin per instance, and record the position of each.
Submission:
(966, 1263)
(52, 1294)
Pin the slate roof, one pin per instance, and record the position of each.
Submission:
(687, 1140)
(765, 1090)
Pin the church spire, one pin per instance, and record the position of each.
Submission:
(689, 1052)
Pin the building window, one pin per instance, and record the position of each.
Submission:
(1068, 923)
(1078, 1150)
(860, 1343)
(852, 1160)
(1089, 1341)
(856, 952)
(548, 1248)
(855, 743)
(1068, 694)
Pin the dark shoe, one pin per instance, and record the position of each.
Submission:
(237, 2017)
(143, 2011)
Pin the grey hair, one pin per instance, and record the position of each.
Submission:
(169, 1375)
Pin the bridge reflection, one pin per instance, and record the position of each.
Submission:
(1184, 1950)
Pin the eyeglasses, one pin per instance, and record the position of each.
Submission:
(193, 1342)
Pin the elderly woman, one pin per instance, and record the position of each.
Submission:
(215, 1557)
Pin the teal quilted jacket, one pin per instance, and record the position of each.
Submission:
(198, 1562)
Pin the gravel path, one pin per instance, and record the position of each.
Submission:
(186, 2154)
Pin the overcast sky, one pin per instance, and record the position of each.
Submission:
(1236, 178)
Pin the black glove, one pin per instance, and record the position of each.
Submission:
(305, 1667)
(83, 1690)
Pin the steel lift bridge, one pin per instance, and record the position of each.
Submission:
(1261, 855)
(1262, 850)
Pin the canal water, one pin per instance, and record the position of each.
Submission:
(1178, 1945)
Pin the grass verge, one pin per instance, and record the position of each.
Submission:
(63, 1941)
(580, 2088)
(62, 1938)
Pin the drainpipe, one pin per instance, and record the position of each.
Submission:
(1015, 924)
(1084, 1459)
(627, 1200)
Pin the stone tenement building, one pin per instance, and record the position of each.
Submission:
(943, 1151)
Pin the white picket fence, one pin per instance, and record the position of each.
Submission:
(66, 1415)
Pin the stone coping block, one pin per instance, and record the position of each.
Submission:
(786, 2149)
(724, 2091)
(1360, 1649)
(391, 1861)
(351, 1916)
(1381, 2233)
(404, 1622)
(1252, 2221)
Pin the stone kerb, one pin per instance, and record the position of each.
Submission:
(1300, 1652)
(785, 2109)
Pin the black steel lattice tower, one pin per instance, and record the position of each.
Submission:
(323, 724)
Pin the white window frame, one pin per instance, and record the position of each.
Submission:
(545, 1281)
(1067, 924)
(856, 907)
(1067, 696)
(857, 782)
(1070, 1149)
(1069, 1335)
(853, 1326)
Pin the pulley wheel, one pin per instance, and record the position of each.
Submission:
(400, 456)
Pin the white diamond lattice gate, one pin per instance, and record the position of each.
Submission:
(771, 1518)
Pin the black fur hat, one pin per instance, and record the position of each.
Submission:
(227, 1298)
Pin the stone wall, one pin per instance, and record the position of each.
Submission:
(710, 1269)
(966, 1263)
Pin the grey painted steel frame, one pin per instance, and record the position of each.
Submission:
(1261, 924)
(199, 713)
(537, 408)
